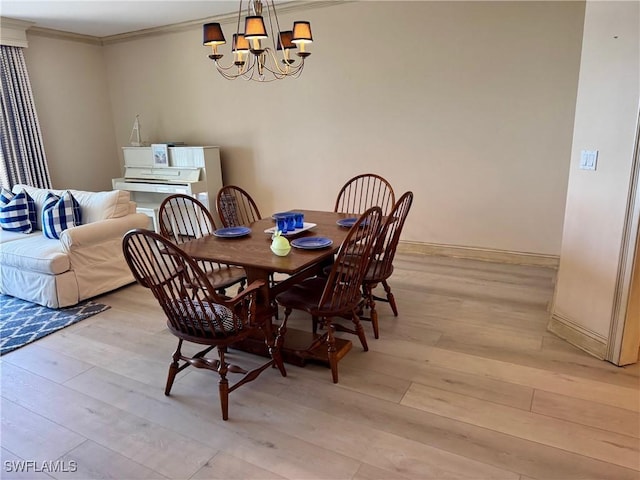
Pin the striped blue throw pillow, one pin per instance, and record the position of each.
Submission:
(59, 214)
(17, 212)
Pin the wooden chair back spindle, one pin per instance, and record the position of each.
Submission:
(365, 191)
(183, 218)
(236, 207)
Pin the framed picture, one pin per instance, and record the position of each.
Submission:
(160, 153)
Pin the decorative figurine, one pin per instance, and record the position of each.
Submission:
(280, 245)
(135, 139)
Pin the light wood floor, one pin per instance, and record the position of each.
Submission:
(465, 383)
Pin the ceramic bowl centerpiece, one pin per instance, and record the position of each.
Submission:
(279, 244)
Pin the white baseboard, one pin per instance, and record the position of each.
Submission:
(486, 254)
(578, 336)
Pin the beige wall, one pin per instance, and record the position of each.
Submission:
(606, 119)
(72, 99)
(468, 104)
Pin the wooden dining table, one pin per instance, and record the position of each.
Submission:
(253, 253)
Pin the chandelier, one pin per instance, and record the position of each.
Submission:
(252, 59)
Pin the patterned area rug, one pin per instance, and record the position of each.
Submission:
(24, 322)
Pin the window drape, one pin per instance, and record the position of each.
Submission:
(22, 156)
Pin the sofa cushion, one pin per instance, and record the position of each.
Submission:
(16, 212)
(6, 236)
(94, 206)
(36, 253)
(59, 214)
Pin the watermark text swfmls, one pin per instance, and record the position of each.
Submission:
(46, 466)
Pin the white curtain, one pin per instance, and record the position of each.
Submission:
(22, 157)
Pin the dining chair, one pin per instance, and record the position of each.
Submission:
(196, 313)
(338, 295)
(181, 218)
(381, 263)
(364, 191)
(236, 207)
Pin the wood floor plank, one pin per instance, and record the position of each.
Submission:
(193, 410)
(55, 366)
(551, 362)
(27, 434)
(561, 354)
(374, 446)
(292, 420)
(418, 460)
(95, 461)
(588, 413)
(227, 467)
(129, 435)
(542, 379)
(68, 343)
(603, 445)
(476, 386)
(487, 446)
(369, 472)
(366, 381)
(16, 468)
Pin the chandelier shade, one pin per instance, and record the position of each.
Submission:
(262, 52)
(212, 34)
(302, 32)
(284, 40)
(239, 43)
(254, 28)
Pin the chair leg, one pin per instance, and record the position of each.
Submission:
(173, 369)
(331, 351)
(390, 297)
(374, 320)
(370, 303)
(223, 385)
(359, 330)
(276, 351)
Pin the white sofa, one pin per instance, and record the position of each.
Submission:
(86, 261)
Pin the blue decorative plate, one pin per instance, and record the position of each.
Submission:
(311, 243)
(232, 232)
(347, 222)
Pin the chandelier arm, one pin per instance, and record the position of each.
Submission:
(227, 76)
(289, 69)
(222, 67)
(283, 73)
(275, 59)
(239, 16)
(241, 72)
(231, 76)
(275, 14)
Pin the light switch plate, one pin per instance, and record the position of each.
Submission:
(588, 159)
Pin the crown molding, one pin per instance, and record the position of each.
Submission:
(14, 32)
(288, 7)
(8, 25)
(60, 35)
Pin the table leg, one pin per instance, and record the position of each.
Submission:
(296, 346)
